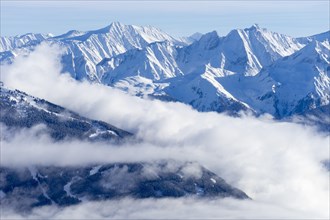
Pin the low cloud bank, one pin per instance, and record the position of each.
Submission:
(181, 208)
(277, 164)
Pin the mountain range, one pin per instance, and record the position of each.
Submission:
(251, 69)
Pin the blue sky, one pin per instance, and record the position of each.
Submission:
(178, 18)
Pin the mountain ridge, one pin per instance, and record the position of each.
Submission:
(210, 73)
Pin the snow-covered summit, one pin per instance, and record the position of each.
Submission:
(325, 36)
(251, 68)
(10, 43)
(69, 34)
(156, 62)
(293, 84)
(84, 50)
(117, 32)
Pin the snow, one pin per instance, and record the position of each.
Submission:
(199, 191)
(10, 43)
(274, 88)
(13, 99)
(99, 132)
(112, 133)
(213, 180)
(95, 170)
(156, 62)
(67, 187)
(290, 79)
(251, 67)
(69, 34)
(33, 172)
(191, 39)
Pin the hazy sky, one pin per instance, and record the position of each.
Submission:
(178, 18)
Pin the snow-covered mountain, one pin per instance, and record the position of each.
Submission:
(192, 38)
(83, 50)
(291, 85)
(217, 73)
(248, 69)
(242, 52)
(318, 37)
(86, 50)
(156, 61)
(299, 82)
(10, 43)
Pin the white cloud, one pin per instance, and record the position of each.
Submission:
(275, 163)
(180, 208)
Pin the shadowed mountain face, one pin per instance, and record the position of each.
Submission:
(25, 188)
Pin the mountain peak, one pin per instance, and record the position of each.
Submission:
(196, 36)
(209, 36)
(49, 35)
(325, 36)
(113, 26)
(316, 47)
(254, 27)
(209, 40)
(116, 24)
(69, 34)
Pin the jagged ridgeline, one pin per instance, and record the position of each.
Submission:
(251, 69)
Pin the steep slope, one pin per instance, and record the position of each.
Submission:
(212, 73)
(19, 110)
(154, 71)
(11, 47)
(303, 80)
(242, 52)
(69, 34)
(204, 93)
(30, 39)
(192, 38)
(292, 85)
(189, 74)
(83, 50)
(318, 37)
(156, 62)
